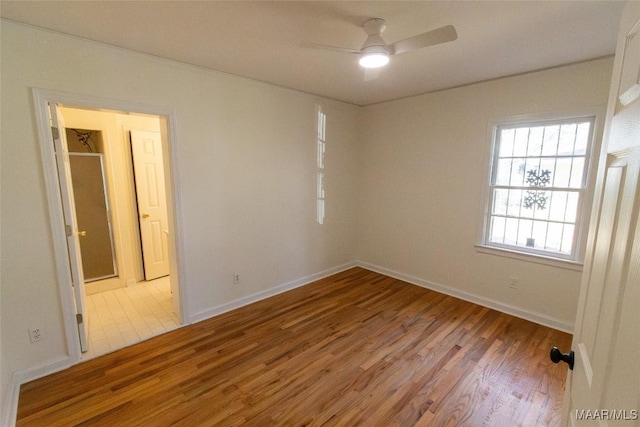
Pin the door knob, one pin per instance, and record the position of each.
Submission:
(145, 215)
(82, 233)
(557, 356)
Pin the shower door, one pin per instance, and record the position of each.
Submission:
(94, 218)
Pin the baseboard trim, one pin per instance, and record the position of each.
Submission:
(538, 318)
(223, 308)
(10, 403)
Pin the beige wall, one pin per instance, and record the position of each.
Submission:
(425, 164)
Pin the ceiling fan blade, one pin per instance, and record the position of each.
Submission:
(430, 38)
(333, 48)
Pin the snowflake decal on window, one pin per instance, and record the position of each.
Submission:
(537, 178)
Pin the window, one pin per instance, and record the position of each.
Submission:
(321, 146)
(538, 184)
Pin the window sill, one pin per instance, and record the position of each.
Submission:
(527, 257)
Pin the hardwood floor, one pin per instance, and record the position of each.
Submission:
(357, 348)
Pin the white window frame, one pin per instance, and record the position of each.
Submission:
(574, 261)
(321, 144)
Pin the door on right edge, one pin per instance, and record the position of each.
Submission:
(604, 387)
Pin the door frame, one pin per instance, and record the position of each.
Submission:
(42, 98)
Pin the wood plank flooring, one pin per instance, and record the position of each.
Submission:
(357, 348)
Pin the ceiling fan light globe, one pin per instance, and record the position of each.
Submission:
(374, 60)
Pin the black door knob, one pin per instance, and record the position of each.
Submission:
(557, 356)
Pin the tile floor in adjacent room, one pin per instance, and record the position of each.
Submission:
(125, 316)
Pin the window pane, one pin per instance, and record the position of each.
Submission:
(582, 139)
(320, 185)
(520, 143)
(558, 205)
(567, 139)
(511, 231)
(539, 234)
(515, 200)
(503, 172)
(535, 141)
(554, 237)
(524, 231)
(500, 201)
(320, 211)
(320, 154)
(518, 171)
(550, 141)
(541, 209)
(510, 172)
(506, 142)
(577, 172)
(572, 207)
(567, 239)
(497, 229)
(562, 172)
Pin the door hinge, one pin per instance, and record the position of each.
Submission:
(68, 230)
(79, 318)
(55, 132)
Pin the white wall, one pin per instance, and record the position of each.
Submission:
(246, 163)
(424, 173)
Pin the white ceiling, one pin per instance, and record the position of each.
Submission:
(265, 40)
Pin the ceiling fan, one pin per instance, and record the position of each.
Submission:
(375, 53)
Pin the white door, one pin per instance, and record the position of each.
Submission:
(604, 388)
(72, 231)
(152, 210)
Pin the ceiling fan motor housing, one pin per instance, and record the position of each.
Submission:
(374, 26)
(374, 42)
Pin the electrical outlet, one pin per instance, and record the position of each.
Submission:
(236, 278)
(35, 335)
(514, 283)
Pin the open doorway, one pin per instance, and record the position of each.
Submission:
(122, 299)
(117, 171)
